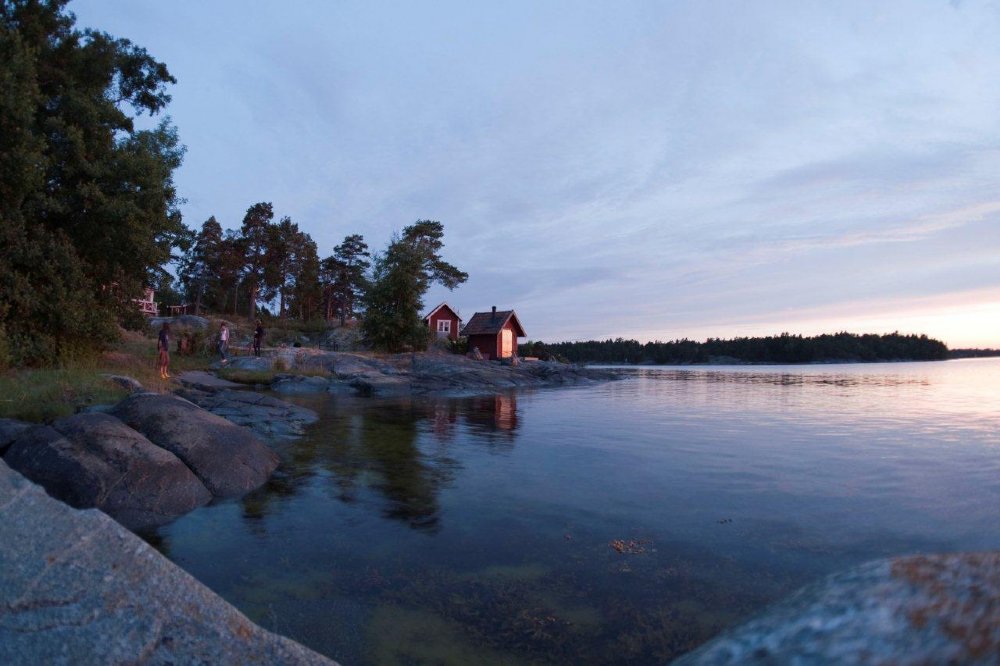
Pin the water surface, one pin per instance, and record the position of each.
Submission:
(625, 522)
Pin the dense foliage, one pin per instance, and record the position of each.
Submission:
(782, 348)
(88, 209)
(400, 278)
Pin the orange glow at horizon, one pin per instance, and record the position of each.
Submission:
(960, 321)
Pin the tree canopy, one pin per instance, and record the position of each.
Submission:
(400, 278)
(88, 208)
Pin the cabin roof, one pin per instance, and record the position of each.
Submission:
(491, 323)
(442, 305)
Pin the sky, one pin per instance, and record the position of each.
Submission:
(649, 170)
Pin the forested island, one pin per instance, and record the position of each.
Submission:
(784, 348)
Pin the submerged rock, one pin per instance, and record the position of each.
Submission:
(924, 609)
(227, 458)
(96, 461)
(77, 588)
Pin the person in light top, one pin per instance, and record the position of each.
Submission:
(223, 342)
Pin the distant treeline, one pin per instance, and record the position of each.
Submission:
(973, 353)
(784, 348)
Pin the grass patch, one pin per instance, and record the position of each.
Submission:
(45, 394)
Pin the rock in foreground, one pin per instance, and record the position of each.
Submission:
(924, 609)
(227, 458)
(76, 588)
(95, 460)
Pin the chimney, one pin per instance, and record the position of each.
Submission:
(494, 317)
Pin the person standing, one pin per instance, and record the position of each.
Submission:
(223, 342)
(163, 349)
(258, 338)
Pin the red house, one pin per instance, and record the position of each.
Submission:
(494, 333)
(444, 321)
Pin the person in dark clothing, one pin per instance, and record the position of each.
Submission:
(258, 338)
(163, 349)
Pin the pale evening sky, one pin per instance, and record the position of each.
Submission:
(640, 169)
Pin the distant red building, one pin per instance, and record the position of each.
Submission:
(495, 333)
(444, 321)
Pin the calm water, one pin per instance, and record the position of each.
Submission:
(626, 522)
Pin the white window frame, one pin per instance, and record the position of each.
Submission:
(444, 326)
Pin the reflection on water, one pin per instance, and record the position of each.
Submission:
(622, 523)
(367, 445)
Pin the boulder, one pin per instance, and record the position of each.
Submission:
(129, 383)
(227, 458)
(77, 588)
(9, 430)
(922, 609)
(96, 461)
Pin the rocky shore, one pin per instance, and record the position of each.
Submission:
(76, 588)
(316, 371)
(152, 457)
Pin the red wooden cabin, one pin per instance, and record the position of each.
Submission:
(444, 321)
(495, 333)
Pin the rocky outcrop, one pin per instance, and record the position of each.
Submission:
(78, 589)
(266, 416)
(428, 372)
(227, 458)
(95, 460)
(924, 609)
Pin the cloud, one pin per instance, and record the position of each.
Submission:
(607, 170)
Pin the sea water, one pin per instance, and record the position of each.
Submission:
(621, 522)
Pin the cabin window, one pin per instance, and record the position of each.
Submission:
(444, 326)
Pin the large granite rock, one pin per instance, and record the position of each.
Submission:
(78, 589)
(9, 430)
(227, 458)
(924, 609)
(95, 460)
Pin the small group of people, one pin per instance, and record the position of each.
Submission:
(223, 340)
(222, 346)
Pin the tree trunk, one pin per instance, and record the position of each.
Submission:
(253, 302)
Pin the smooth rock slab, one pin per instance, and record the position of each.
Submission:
(227, 458)
(268, 417)
(76, 588)
(924, 609)
(96, 461)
